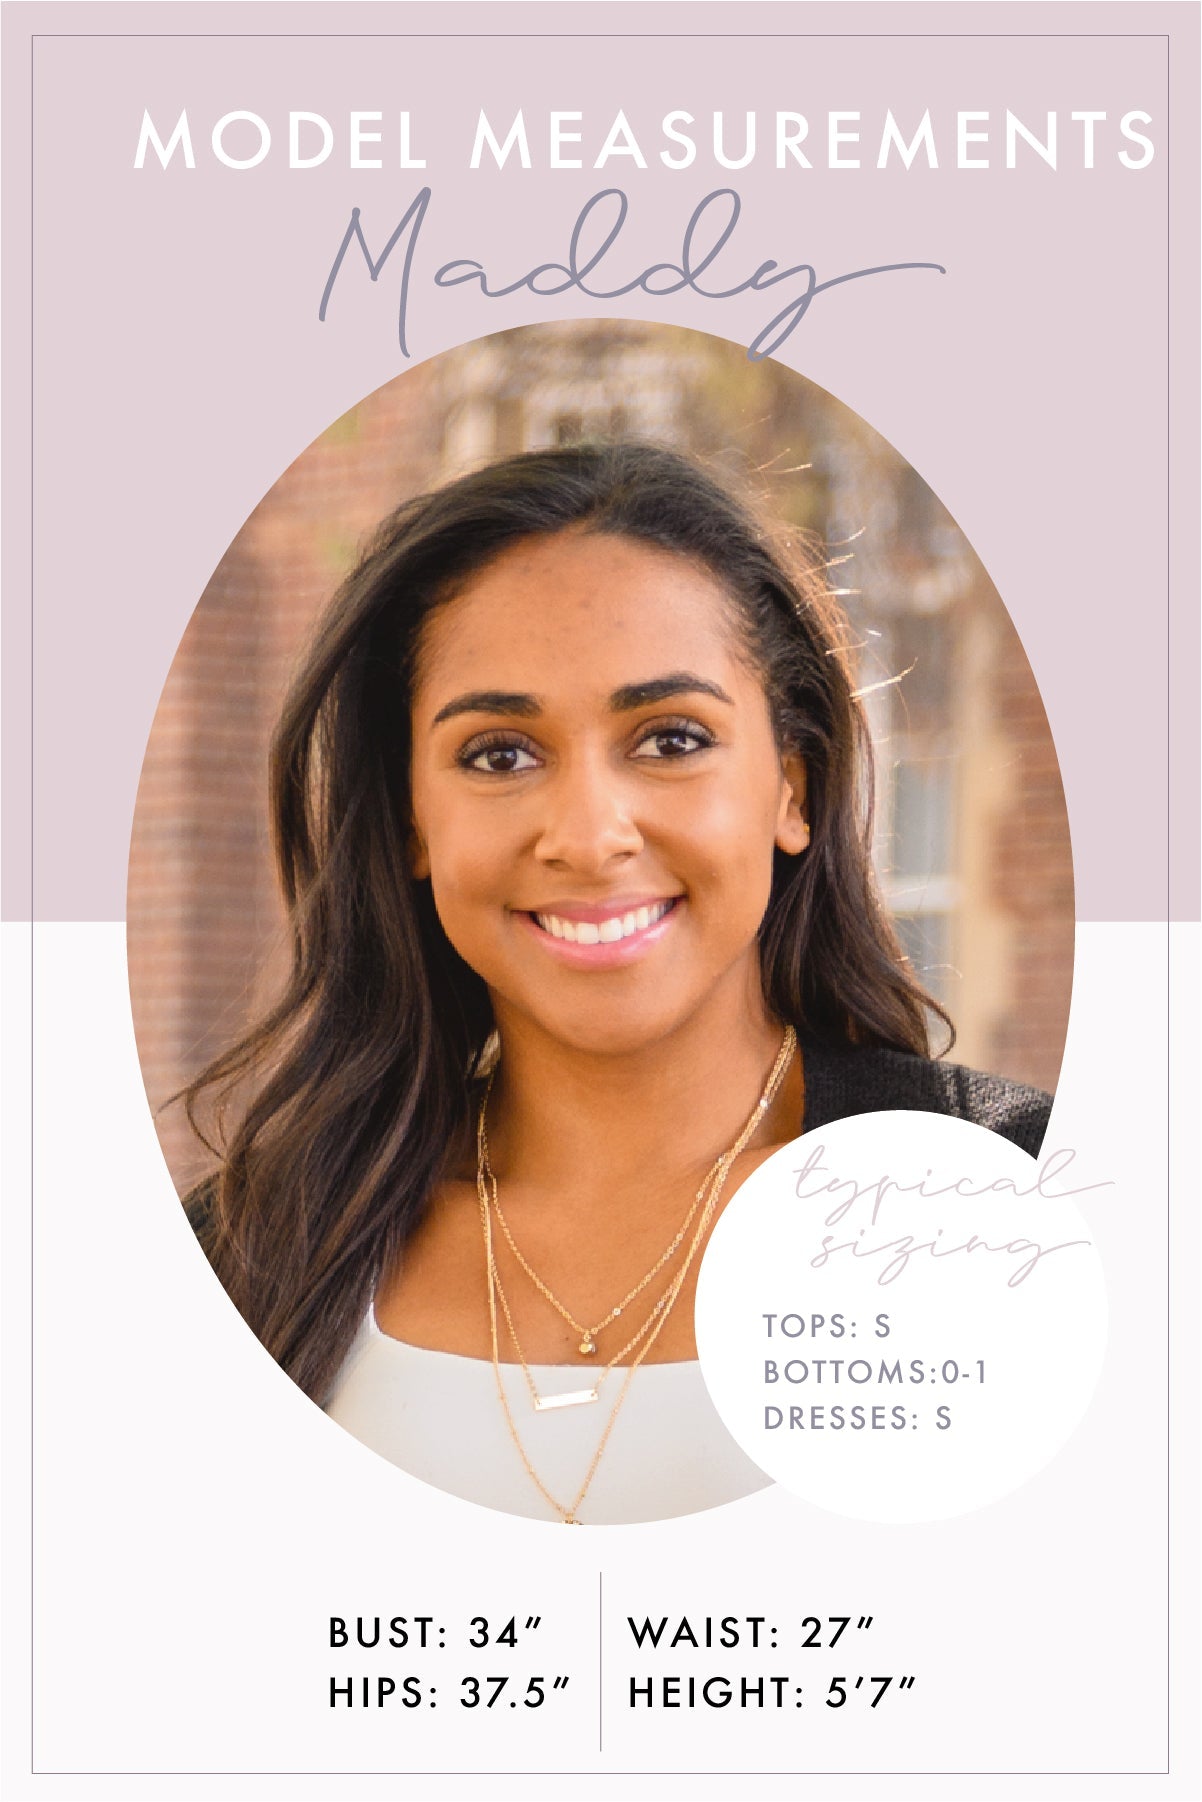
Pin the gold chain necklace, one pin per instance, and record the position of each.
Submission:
(588, 1334)
(574, 1397)
(658, 1318)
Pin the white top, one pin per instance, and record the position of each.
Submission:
(438, 1416)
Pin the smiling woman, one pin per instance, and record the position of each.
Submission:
(569, 805)
(605, 812)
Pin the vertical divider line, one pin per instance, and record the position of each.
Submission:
(600, 1663)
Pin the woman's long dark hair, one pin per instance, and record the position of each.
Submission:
(360, 1077)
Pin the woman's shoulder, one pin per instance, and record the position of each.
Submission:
(842, 1082)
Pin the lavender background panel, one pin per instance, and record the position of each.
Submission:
(179, 363)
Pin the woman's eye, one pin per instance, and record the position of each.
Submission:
(498, 759)
(673, 741)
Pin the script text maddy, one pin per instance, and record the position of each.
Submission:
(590, 265)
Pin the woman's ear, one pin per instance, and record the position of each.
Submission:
(419, 857)
(792, 826)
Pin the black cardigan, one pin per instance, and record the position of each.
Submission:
(839, 1083)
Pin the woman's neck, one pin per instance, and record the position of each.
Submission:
(585, 1124)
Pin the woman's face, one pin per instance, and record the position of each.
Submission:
(596, 790)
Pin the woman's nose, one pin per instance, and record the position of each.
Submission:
(588, 821)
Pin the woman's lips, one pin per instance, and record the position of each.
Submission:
(601, 935)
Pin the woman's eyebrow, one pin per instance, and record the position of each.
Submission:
(489, 700)
(623, 700)
(662, 688)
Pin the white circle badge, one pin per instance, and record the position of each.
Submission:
(901, 1316)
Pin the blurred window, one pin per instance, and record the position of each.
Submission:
(914, 720)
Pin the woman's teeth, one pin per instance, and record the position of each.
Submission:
(603, 932)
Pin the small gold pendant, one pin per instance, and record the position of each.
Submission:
(586, 1347)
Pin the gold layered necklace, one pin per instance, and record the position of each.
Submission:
(588, 1335)
(704, 1204)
